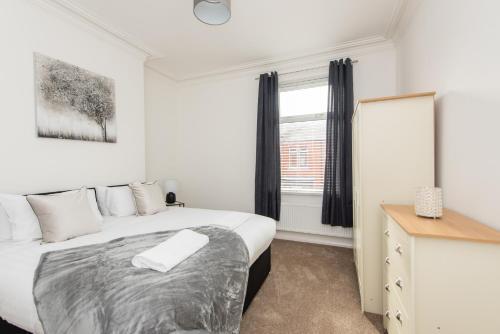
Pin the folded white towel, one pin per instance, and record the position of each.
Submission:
(171, 252)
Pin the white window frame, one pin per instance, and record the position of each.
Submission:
(303, 118)
(300, 157)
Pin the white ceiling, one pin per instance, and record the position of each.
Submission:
(183, 47)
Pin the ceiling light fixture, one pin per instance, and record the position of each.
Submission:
(213, 12)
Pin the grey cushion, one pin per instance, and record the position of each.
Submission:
(65, 215)
(148, 198)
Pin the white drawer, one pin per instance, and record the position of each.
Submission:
(396, 232)
(398, 248)
(385, 300)
(400, 258)
(392, 327)
(400, 285)
(397, 267)
(385, 235)
(399, 321)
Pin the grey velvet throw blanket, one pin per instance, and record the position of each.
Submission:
(95, 289)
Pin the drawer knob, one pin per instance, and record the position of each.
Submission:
(398, 316)
(399, 249)
(387, 288)
(387, 260)
(388, 315)
(386, 232)
(399, 283)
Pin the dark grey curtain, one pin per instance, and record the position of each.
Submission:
(337, 192)
(267, 169)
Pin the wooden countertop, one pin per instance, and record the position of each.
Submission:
(451, 226)
(396, 97)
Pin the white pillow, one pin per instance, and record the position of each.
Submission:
(116, 201)
(102, 201)
(91, 196)
(23, 222)
(5, 230)
(65, 215)
(148, 198)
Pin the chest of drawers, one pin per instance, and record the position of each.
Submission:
(440, 276)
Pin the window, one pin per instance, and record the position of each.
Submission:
(302, 138)
(297, 157)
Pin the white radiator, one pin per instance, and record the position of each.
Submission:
(306, 218)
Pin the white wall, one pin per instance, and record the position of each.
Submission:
(215, 123)
(452, 46)
(216, 144)
(160, 95)
(31, 164)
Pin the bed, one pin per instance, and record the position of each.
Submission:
(19, 260)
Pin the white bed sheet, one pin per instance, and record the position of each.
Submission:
(19, 260)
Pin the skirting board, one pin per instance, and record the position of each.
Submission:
(314, 239)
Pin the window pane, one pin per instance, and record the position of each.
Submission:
(302, 138)
(304, 101)
(302, 156)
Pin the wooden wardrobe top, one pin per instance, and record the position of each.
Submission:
(404, 96)
(451, 226)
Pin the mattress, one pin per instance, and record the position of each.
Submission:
(19, 260)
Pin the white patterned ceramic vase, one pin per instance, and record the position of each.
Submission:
(429, 202)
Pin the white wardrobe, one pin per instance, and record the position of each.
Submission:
(393, 154)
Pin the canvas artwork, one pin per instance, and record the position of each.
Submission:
(73, 103)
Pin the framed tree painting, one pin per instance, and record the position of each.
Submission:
(73, 103)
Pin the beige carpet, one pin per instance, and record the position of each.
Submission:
(311, 289)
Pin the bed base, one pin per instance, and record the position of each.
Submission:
(257, 275)
(7, 328)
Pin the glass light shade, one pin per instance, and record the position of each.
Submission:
(213, 12)
(170, 186)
